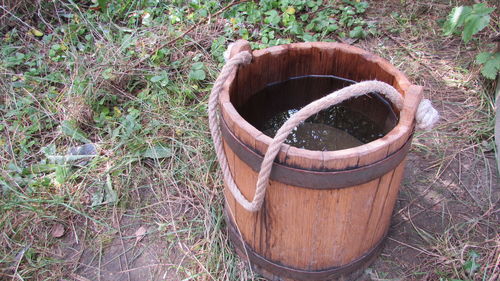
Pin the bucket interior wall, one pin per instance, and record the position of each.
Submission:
(275, 66)
(267, 109)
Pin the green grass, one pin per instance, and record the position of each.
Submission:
(125, 76)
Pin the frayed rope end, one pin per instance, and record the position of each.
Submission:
(227, 52)
(426, 116)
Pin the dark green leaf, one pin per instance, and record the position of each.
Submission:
(473, 24)
(104, 192)
(156, 78)
(162, 77)
(49, 149)
(357, 32)
(482, 9)
(491, 68)
(456, 19)
(198, 66)
(61, 173)
(296, 29)
(307, 37)
(361, 6)
(97, 197)
(197, 71)
(483, 57)
(471, 265)
(157, 152)
(102, 4)
(130, 124)
(17, 59)
(71, 130)
(197, 74)
(108, 74)
(39, 168)
(272, 18)
(111, 195)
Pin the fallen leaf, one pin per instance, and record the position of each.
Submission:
(36, 32)
(57, 230)
(139, 233)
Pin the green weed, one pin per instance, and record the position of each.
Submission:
(468, 21)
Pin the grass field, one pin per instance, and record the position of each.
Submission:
(131, 80)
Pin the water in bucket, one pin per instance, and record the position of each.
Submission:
(351, 123)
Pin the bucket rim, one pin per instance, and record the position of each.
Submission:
(338, 159)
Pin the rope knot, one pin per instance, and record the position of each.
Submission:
(246, 57)
(426, 115)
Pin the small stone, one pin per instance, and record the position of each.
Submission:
(88, 149)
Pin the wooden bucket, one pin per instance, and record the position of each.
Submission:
(326, 213)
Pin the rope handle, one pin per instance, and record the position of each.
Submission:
(426, 117)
